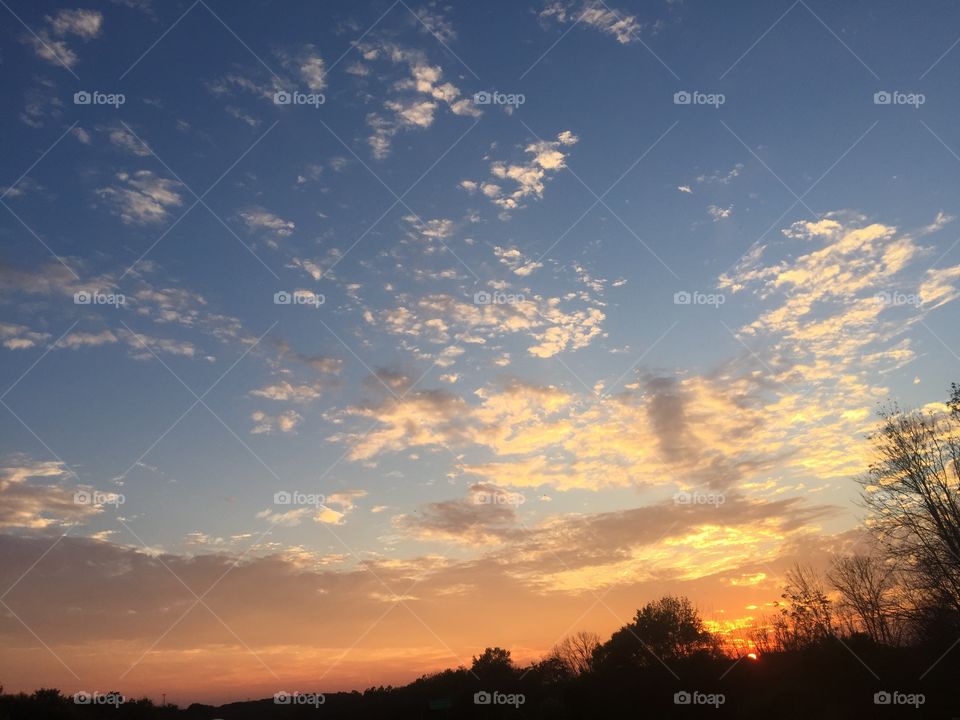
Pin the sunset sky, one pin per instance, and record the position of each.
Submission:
(509, 422)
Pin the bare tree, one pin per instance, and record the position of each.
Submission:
(806, 616)
(913, 489)
(868, 589)
(576, 651)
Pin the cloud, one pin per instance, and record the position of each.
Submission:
(142, 198)
(286, 391)
(440, 318)
(34, 496)
(719, 213)
(719, 178)
(76, 340)
(125, 140)
(516, 261)
(625, 28)
(271, 226)
(141, 345)
(84, 23)
(49, 44)
(433, 21)
(548, 157)
(487, 516)
(285, 422)
(312, 69)
(413, 100)
(940, 286)
(19, 337)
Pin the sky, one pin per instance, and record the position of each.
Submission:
(343, 341)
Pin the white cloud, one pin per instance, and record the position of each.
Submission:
(274, 227)
(516, 261)
(267, 424)
(49, 44)
(625, 28)
(548, 157)
(719, 213)
(125, 140)
(18, 337)
(142, 198)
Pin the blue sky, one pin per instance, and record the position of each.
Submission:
(813, 226)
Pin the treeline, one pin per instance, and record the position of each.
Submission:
(876, 634)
